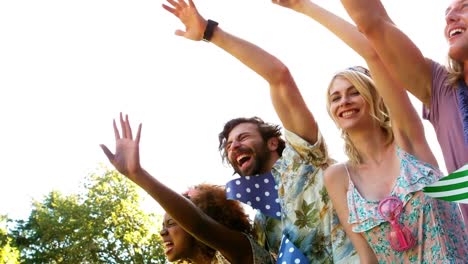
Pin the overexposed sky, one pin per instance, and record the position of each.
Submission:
(67, 68)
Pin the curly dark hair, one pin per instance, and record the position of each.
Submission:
(267, 130)
(211, 199)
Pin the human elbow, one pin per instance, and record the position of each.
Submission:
(371, 56)
(370, 25)
(282, 75)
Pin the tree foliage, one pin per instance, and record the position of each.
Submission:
(101, 224)
(8, 253)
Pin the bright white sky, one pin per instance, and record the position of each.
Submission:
(67, 68)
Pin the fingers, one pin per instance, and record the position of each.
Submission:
(125, 127)
(128, 128)
(182, 3)
(180, 33)
(116, 130)
(137, 139)
(170, 9)
(191, 4)
(282, 2)
(108, 153)
(276, 2)
(177, 7)
(122, 126)
(174, 4)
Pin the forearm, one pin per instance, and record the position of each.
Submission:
(400, 55)
(182, 210)
(344, 30)
(194, 221)
(285, 96)
(365, 252)
(367, 14)
(254, 57)
(349, 34)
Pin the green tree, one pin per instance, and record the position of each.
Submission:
(8, 253)
(101, 224)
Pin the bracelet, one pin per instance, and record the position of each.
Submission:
(210, 26)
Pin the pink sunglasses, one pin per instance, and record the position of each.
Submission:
(400, 237)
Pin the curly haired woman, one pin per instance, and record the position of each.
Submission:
(228, 241)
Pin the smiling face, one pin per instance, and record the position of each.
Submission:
(356, 107)
(456, 17)
(178, 243)
(347, 107)
(246, 150)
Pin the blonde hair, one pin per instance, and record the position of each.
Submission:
(360, 78)
(455, 71)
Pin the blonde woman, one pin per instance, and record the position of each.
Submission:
(442, 90)
(377, 192)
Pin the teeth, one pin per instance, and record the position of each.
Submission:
(348, 113)
(240, 157)
(456, 31)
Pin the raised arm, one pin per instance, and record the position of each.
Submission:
(400, 55)
(234, 245)
(407, 125)
(285, 96)
(335, 24)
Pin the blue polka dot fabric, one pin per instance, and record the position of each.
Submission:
(260, 192)
(290, 254)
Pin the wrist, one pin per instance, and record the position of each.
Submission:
(137, 174)
(209, 30)
(306, 8)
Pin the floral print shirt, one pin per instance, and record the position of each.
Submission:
(307, 216)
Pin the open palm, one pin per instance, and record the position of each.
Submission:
(189, 16)
(127, 154)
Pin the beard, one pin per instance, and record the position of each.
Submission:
(260, 155)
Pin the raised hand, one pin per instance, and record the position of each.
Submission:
(127, 154)
(188, 14)
(292, 4)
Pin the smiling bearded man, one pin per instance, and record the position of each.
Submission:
(255, 148)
